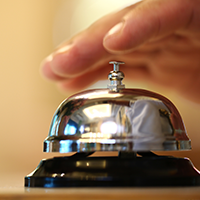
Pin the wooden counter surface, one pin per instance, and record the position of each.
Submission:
(182, 193)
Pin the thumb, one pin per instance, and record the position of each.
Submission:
(150, 20)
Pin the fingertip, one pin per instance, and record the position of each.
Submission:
(114, 30)
(112, 38)
(44, 65)
(46, 71)
(45, 62)
(60, 63)
(119, 40)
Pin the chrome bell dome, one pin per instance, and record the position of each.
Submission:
(116, 119)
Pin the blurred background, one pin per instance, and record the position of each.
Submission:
(29, 31)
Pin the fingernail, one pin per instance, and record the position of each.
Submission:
(64, 49)
(48, 59)
(115, 29)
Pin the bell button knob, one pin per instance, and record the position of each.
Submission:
(116, 77)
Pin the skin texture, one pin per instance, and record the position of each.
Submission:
(159, 40)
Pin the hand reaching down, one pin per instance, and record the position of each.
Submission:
(159, 40)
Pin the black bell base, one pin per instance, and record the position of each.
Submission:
(146, 170)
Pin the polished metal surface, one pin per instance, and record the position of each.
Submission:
(128, 120)
(116, 119)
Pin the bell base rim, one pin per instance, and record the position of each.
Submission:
(146, 171)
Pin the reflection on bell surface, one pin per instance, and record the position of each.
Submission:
(133, 122)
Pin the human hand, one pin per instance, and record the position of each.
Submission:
(159, 40)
